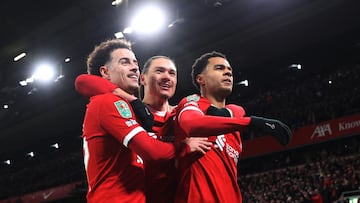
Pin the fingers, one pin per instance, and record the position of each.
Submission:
(199, 144)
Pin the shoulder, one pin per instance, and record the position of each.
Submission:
(109, 99)
(194, 100)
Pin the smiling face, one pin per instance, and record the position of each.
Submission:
(217, 78)
(160, 79)
(122, 70)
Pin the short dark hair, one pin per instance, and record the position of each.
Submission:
(201, 63)
(150, 60)
(102, 54)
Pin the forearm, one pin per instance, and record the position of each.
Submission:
(90, 85)
(151, 149)
(196, 124)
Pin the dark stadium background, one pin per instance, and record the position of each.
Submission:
(262, 39)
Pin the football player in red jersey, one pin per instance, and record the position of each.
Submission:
(115, 144)
(212, 178)
(159, 78)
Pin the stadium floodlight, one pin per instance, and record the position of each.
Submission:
(119, 35)
(8, 162)
(296, 65)
(31, 154)
(149, 19)
(56, 145)
(116, 2)
(23, 83)
(20, 56)
(244, 82)
(44, 72)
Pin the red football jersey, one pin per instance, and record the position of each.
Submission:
(160, 176)
(114, 172)
(212, 177)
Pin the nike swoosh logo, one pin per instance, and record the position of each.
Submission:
(47, 195)
(272, 126)
(147, 111)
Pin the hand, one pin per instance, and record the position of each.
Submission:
(273, 127)
(198, 144)
(236, 111)
(143, 114)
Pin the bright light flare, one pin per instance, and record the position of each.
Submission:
(149, 20)
(44, 73)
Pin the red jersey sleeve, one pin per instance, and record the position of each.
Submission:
(194, 122)
(90, 85)
(117, 119)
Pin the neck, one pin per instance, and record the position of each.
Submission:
(217, 101)
(156, 103)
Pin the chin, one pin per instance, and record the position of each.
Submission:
(134, 89)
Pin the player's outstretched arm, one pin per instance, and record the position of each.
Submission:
(273, 127)
(194, 122)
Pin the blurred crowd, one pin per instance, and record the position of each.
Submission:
(319, 173)
(302, 99)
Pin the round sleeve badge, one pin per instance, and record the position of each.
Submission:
(123, 109)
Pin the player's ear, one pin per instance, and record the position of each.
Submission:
(200, 79)
(104, 71)
(142, 79)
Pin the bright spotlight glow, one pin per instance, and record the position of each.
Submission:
(149, 20)
(6, 106)
(128, 30)
(330, 82)
(44, 73)
(29, 80)
(8, 162)
(20, 56)
(67, 60)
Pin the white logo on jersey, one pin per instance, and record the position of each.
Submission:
(230, 151)
(233, 153)
(153, 135)
(220, 142)
(272, 126)
(130, 122)
(139, 160)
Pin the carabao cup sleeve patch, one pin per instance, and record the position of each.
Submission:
(123, 109)
(193, 97)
